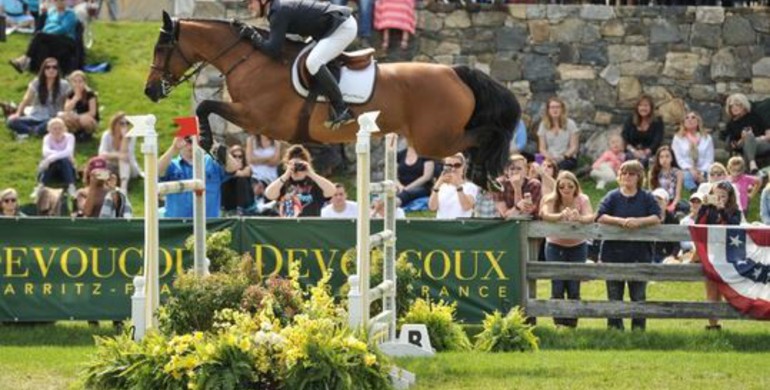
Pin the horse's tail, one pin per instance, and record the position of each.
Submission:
(495, 116)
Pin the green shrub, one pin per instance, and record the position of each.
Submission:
(195, 299)
(218, 251)
(509, 333)
(277, 295)
(438, 317)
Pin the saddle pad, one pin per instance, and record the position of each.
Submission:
(356, 85)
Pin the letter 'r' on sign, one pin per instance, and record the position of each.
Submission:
(417, 335)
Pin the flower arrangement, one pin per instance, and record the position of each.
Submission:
(438, 317)
(509, 333)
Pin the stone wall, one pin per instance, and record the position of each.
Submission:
(600, 59)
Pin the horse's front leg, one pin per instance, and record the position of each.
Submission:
(206, 108)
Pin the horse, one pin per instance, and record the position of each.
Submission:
(441, 110)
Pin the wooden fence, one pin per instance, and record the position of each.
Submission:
(534, 232)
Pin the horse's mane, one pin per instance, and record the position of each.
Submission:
(292, 46)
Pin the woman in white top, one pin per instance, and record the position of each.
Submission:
(118, 150)
(452, 196)
(558, 136)
(58, 158)
(264, 155)
(693, 149)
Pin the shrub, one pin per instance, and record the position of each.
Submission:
(509, 333)
(218, 250)
(445, 334)
(195, 299)
(277, 295)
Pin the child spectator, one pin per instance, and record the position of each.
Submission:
(664, 249)
(605, 169)
(558, 136)
(116, 203)
(58, 161)
(96, 176)
(81, 109)
(696, 201)
(119, 151)
(237, 195)
(546, 174)
(9, 201)
(693, 149)
(643, 131)
(45, 95)
(664, 174)
(300, 185)
(395, 14)
(747, 186)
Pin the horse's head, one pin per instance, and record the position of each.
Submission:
(169, 62)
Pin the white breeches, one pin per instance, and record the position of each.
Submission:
(330, 47)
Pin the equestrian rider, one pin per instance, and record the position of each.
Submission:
(330, 25)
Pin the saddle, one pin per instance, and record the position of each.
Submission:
(355, 73)
(353, 60)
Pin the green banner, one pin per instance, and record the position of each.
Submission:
(83, 269)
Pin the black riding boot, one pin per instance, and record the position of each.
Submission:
(340, 113)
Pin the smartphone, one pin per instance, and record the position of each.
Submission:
(711, 199)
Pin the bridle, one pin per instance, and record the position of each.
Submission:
(169, 43)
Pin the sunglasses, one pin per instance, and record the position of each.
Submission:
(455, 165)
(9, 200)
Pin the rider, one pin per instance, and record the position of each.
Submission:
(332, 26)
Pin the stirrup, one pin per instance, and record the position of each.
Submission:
(339, 120)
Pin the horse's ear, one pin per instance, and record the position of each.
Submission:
(168, 24)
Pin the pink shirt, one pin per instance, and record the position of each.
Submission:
(581, 204)
(614, 159)
(56, 150)
(744, 183)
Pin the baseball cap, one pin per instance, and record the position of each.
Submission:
(660, 193)
(698, 196)
(98, 166)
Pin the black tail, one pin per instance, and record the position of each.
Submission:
(495, 116)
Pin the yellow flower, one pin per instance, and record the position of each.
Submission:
(370, 359)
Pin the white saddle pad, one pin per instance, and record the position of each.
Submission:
(356, 85)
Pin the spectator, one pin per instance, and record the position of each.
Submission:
(176, 164)
(643, 131)
(745, 131)
(237, 195)
(696, 201)
(629, 207)
(452, 196)
(112, 8)
(746, 186)
(664, 174)
(10, 203)
(15, 15)
(289, 205)
(79, 203)
(116, 203)
(415, 174)
(365, 13)
(397, 15)
(58, 163)
(81, 109)
(45, 95)
(340, 206)
(720, 208)
(485, 205)
(33, 6)
(50, 202)
(661, 250)
(301, 184)
(558, 136)
(261, 205)
(520, 144)
(567, 204)
(693, 150)
(605, 169)
(521, 195)
(56, 39)
(119, 151)
(96, 177)
(378, 210)
(546, 174)
(263, 155)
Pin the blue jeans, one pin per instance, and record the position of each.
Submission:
(575, 254)
(365, 13)
(638, 293)
(28, 125)
(61, 169)
(689, 180)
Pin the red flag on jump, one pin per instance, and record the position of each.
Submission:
(188, 126)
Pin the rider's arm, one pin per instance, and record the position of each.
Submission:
(279, 24)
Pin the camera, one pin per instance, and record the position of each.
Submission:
(300, 166)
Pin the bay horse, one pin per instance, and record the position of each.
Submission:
(441, 110)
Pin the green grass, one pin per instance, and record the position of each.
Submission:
(128, 48)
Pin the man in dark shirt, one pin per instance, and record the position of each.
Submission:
(330, 25)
